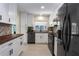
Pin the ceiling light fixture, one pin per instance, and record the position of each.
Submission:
(42, 7)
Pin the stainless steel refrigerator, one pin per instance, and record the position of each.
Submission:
(69, 20)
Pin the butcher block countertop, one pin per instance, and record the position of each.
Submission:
(6, 38)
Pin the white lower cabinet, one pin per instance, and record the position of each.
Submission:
(18, 44)
(16, 47)
(6, 51)
(12, 48)
(41, 37)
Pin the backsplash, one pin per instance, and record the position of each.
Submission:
(5, 29)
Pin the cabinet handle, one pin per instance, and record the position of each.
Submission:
(11, 52)
(21, 43)
(9, 19)
(20, 38)
(10, 44)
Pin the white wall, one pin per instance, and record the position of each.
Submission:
(18, 25)
(30, 20)
(40, 20)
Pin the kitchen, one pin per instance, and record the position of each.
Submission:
(15, 24)
(38, 29)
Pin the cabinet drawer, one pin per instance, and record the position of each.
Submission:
(10, 43)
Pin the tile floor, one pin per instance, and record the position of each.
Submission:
(36, 50)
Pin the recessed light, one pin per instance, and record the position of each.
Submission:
(42, 7)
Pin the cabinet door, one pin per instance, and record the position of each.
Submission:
(5, 16)
(21, 45)
(12, 13)
(4, 12)
(6, 49)
(17, 46)
(41, 38)
(44, 38)
(37, 38)
(4, 52)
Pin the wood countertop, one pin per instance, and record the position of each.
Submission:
(6, 38)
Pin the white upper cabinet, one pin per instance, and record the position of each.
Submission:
(8, 13)
(12, 13)
(4, 12)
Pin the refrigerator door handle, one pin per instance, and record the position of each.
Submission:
(66, 33)
(63, 34)
(69, 33)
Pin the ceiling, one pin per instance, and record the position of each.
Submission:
(35, 8)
